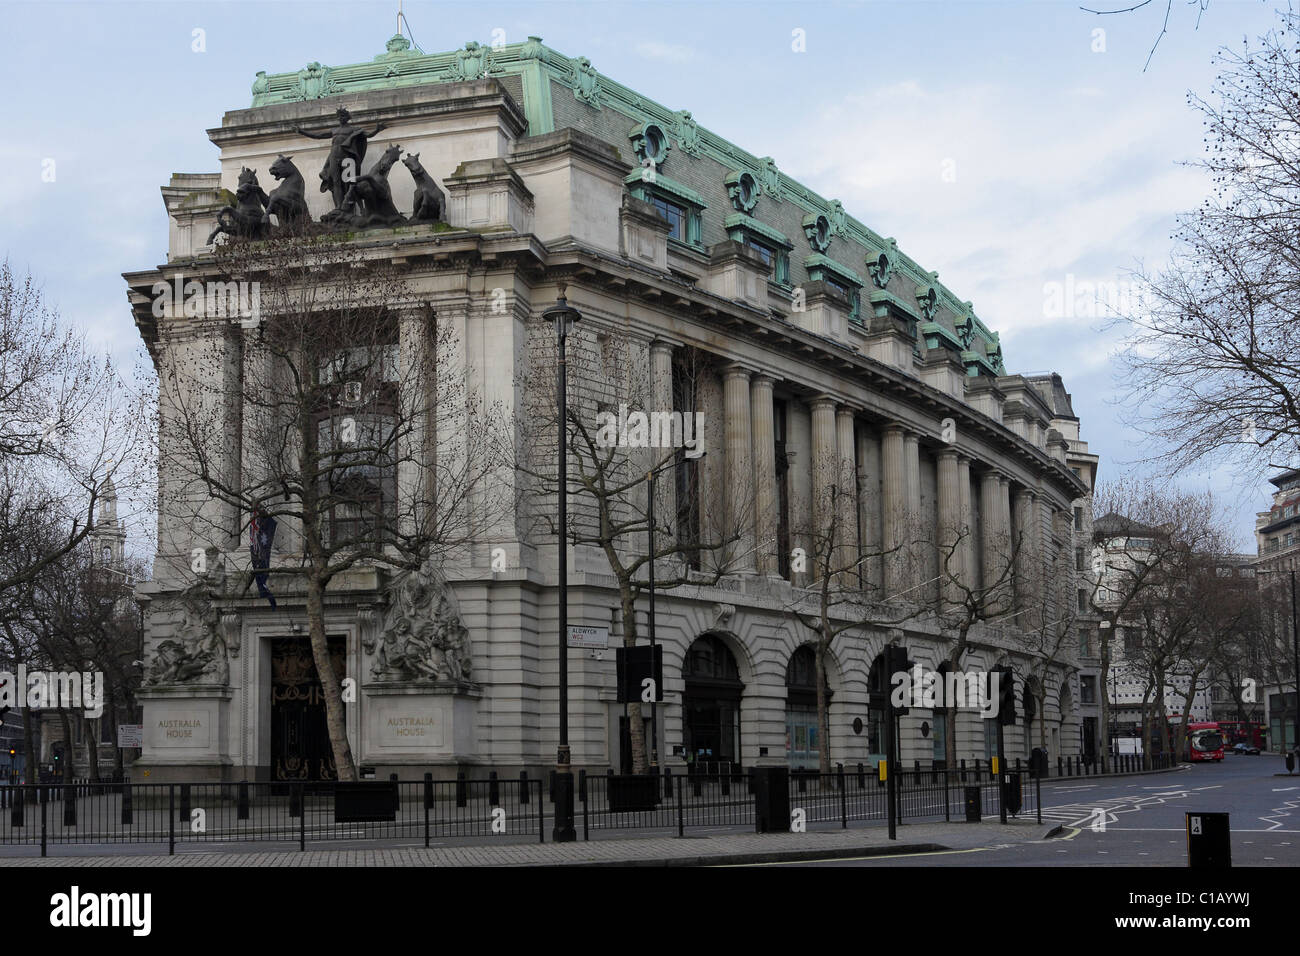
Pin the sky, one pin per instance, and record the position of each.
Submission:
(1009, 146)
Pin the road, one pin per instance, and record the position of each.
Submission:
(1139, 821)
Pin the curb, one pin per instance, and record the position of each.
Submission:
(770, 856)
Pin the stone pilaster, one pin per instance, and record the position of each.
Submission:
(739, 493)
(764, 445)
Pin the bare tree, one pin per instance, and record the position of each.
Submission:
(1209, 366)
(334, 402)
(615, 423)
(69, 422)
(1148, 543)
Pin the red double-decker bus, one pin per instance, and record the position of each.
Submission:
(1204, 742)
(1242, 732)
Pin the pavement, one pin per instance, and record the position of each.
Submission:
(733, 849)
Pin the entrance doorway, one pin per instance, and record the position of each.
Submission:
(712, 707)
(300, 743)
(802, 746)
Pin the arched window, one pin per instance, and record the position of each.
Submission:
(711, 706)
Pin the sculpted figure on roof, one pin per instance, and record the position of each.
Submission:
(347, 150)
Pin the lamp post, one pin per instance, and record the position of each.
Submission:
(654, 701)
(1110, 699)
(651, 477)
(563, 316)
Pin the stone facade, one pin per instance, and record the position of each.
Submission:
(825, 342)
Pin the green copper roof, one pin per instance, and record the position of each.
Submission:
(537, 65)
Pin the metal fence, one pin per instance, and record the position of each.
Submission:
(247, 812)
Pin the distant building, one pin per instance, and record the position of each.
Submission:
(1277, 537)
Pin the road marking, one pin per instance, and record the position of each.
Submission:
(1284, 789)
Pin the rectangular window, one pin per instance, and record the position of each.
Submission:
(1078, 559)
(1088, 689)
(1078, 519)
(777, 259)
(940, 731)
(675, 215)
(1085, 642)
(1083, 599)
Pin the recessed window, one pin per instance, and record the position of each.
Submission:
(680, 205)
(675, 215)
(776, 259)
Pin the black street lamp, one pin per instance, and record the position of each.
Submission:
(564, 832)
(651, 477)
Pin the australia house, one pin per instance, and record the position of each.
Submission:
(817, 406)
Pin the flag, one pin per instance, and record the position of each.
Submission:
(261, 535)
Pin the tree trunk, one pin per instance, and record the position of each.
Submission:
(92, 747)
(636, 724)
(1103, 692)
(320, 652)
(69, 749)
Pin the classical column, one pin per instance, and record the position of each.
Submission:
(949, 549)
(990, 519)
(868, 486)
(661, 390)
(824, 459)
(739, 493)
(1005, 543)
(764, 445)
(893, 472)
(1026, 525)
(846, 481)
(917, 568)
(966, 523)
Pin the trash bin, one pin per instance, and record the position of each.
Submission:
(1011, 792)
(972, 804)
(771, 799)
(1038, 762)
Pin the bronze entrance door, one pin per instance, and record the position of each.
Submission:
(300, 743)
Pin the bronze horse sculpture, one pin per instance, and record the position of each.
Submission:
(369, 200)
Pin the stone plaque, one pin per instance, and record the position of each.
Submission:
(181, 729)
